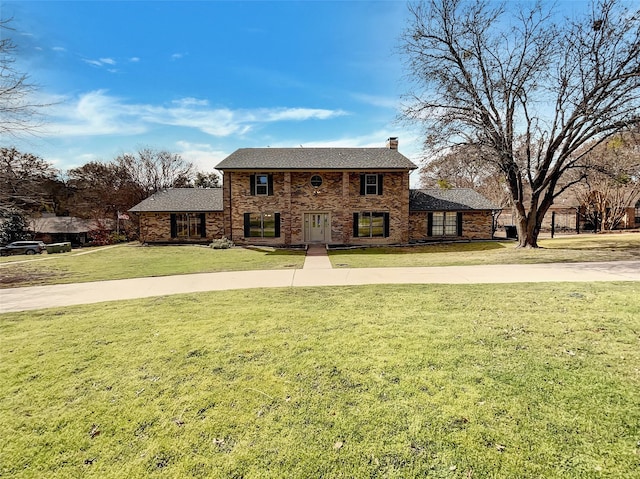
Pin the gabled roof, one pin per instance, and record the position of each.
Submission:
(454, 199)
(316, 159)
(182, 200)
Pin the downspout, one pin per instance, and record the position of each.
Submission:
(230, 209)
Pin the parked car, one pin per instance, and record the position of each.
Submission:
(23, 247)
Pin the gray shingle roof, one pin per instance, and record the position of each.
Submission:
(182, 199)
(455, 199)
(315, 159)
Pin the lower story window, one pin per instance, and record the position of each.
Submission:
(637, 218)
(187, 225)
(262, 225)
(371, 224)
(444, 223)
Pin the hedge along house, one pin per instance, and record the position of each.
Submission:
(181, 215)
(289, 196)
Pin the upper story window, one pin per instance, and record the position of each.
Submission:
(316, 181)
(262, 184)
(370, 184)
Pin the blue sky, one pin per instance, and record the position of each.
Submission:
(205, 78)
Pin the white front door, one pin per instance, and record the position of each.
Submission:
(317, 228)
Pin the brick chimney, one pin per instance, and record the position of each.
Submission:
(392, 143)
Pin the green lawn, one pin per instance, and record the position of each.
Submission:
(467, 381)
(131, 261)
(609, 247)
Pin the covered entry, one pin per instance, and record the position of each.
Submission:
(317, 227)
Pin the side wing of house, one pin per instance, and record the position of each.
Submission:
(437, 214)
(181, 215)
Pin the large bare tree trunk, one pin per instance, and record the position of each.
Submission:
(483, 69)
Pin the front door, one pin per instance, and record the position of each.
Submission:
(317, 228)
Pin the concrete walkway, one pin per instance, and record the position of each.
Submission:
(317, 257)
(317, 271)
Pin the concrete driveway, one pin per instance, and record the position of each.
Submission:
(317, 272)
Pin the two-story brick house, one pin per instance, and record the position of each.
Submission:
(294, 196)
(317, 195)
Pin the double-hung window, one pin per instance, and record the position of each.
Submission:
(371, 184)
(444, 223)
(371, 224)
(261, 184)
(262, 225)
(637, 216)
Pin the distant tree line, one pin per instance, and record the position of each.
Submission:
(31, 186)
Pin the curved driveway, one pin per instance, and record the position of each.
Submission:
(314, 273)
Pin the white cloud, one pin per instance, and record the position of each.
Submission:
(94, 113)
(177, 56)
(96, 63)
(101, 62)
(59, 49)
(299, 114)
(134, 59)
(186, 102)
(202, 155)
(375, 100)
(98, 113)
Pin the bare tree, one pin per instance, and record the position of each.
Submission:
(530, 93)
(612, 185)
(25, 181)
(207, 180)
(19, 110)
(462, 167)
(152, 170)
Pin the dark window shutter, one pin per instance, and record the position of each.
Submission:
(363, 185)
(355, 224)
(386, 225)
(380, 177)
(459, 223)
(203, 225)
(174, 226)
(252, 184)
(429, 224)
(247, 225)
(277, 218)
(270, 182)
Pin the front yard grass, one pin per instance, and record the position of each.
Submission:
(570, 249)
(133, 261)
(524, 381)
